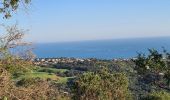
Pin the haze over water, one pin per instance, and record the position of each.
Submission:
(102, 49)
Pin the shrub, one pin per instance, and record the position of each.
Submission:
(101, 85)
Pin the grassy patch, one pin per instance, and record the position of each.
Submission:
(42, 75)
(51, 70)
(45, 73)
(64, 80)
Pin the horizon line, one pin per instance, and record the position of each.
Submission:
(109, 39)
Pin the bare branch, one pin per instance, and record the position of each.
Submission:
(14, 40)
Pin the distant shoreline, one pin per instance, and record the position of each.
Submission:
(46, 61)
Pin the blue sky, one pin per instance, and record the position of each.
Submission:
(77, 20)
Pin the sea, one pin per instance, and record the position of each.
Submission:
(102, 49)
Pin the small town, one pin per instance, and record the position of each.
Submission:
(46, 61)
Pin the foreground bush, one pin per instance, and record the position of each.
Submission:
(101, 85)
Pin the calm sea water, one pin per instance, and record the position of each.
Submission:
(104, 49)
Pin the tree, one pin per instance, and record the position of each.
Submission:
(9, 6)
(154, 68)
(154, 62)
(13, 39)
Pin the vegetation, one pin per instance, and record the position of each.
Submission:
(9, 6)
(41, 75)
(101, 85)
(15, 61)
(15, 64)
(154, 62)
(161, 95)
(122, 80)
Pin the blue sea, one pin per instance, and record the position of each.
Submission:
(101, 49)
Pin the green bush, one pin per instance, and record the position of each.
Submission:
(101, 85)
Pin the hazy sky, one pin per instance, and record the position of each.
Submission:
(75, 20)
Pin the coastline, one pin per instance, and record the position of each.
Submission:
(46, 61)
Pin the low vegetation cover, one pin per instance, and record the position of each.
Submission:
(159, 95)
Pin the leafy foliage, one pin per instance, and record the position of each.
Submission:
(154, 62)
(154, 71)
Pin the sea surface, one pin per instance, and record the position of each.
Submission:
(101, 49)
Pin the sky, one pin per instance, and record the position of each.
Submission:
(79, 20)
